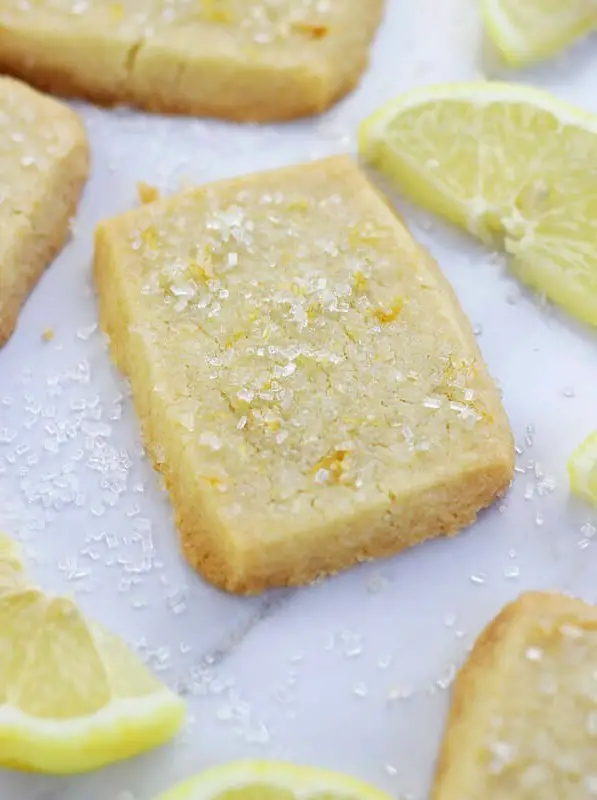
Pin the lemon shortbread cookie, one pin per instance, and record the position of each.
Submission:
(523, 723)
(253, 60)
(43, 166)
(304, 375)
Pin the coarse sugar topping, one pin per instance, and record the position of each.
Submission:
(542, 742)
(302, 339)
(260, 21)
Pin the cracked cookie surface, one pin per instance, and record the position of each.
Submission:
(246, 60)
(305, 377)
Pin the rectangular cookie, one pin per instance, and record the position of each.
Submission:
(44, 164)
(303, 373)
(523, 722)
(255, 60)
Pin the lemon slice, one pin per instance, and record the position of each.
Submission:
(525, 31)
(582, 468)
(12, 573)
(512, 165)
(262, 780)
(72, 696)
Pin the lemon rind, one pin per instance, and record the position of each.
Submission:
(13, 576)
(125, 727)
(10, 550)
(482, 93)
(373, 130)
(512, 44)
(302, 781)
(580, 463)
(505, 36)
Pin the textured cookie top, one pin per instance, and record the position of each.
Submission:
(246, 60)
(257, 21)
(35, 133)
(540, 715)
(308, 349)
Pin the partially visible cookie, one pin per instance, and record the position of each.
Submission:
(523, 722)
(246, 60)
(43, 167)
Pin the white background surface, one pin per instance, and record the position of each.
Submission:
(350, 674)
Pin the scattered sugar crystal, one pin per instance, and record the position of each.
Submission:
(571, 631)
(247, 395)
(351, 643)
(400, 693)
(86, 331)
(503, 754)
(447, 678)
(534, 653)
(588, 530)
(432, 402)
(322, 476)
(211, 440)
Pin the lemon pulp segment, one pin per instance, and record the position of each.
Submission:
(525, 31)
(514, 166)
(73, 697)
(582, 469)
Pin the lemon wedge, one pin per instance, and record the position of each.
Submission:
(72, 696)
(249, 780)
(582, 469)
(12, 572)
(525, 31)
(512, 165)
